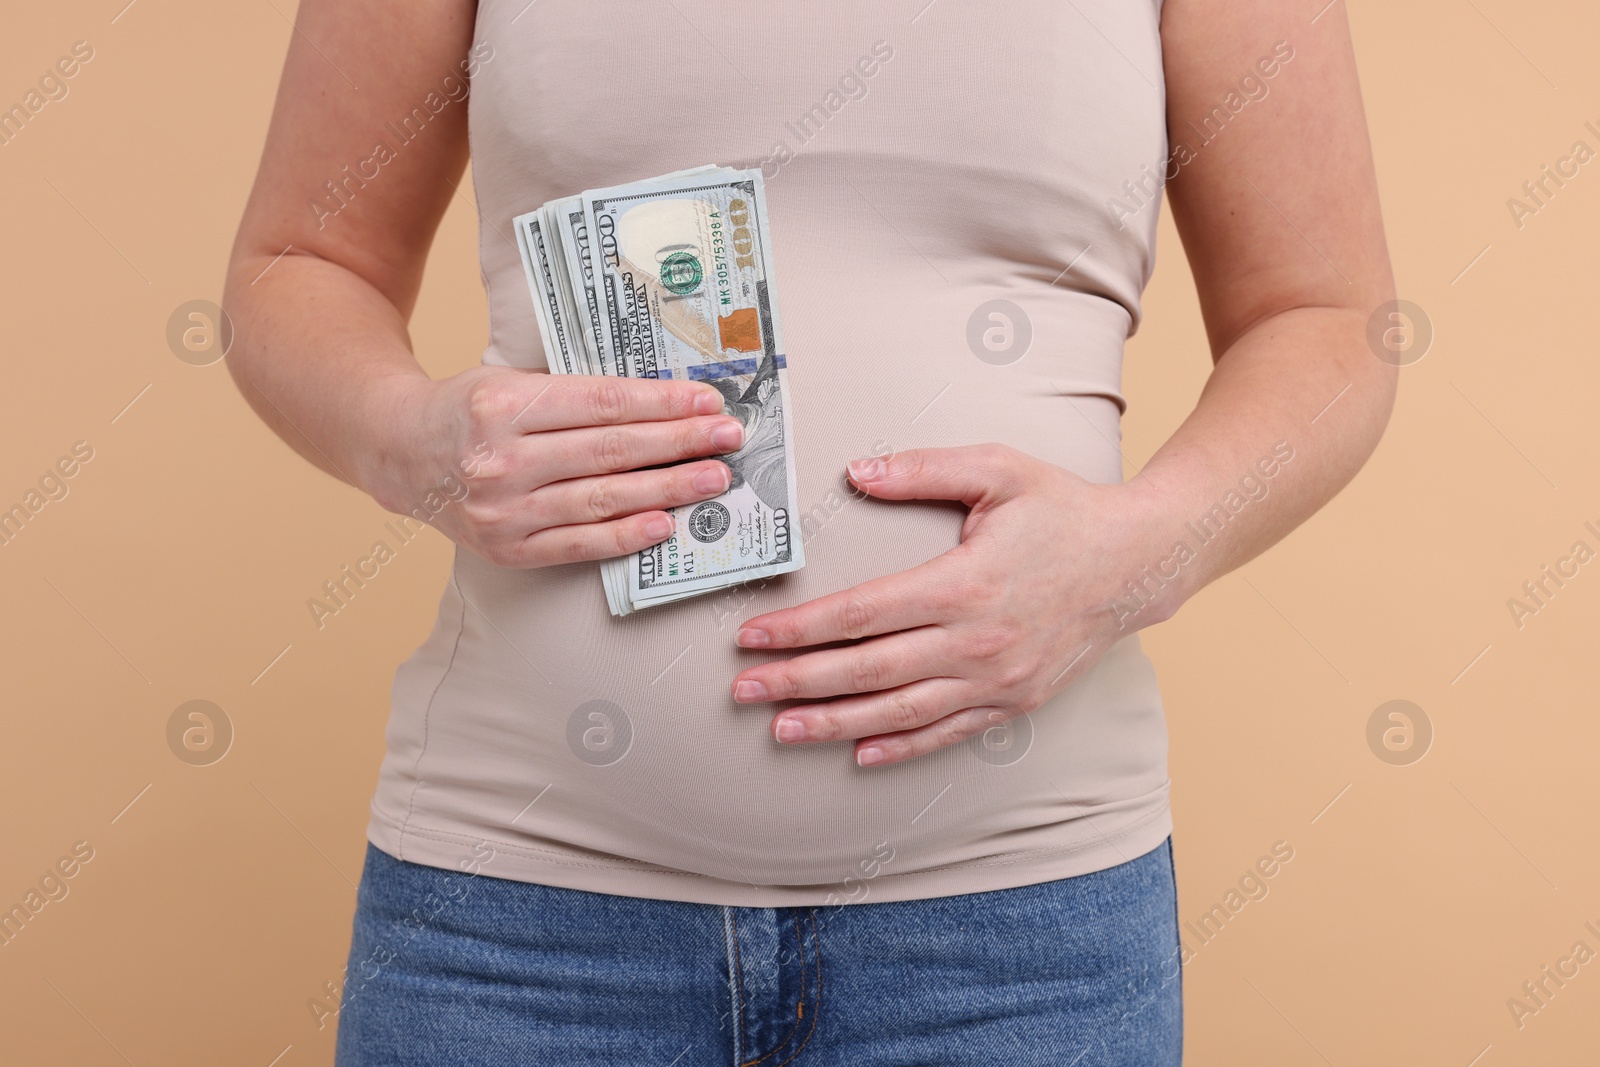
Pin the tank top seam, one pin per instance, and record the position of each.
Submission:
(483, 262)
(621, 863)
(483, 220)
(422, 749)
(450, 837)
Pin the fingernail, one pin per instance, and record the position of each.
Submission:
(865, 470)
(750, 637)
(790, 730)
(868, 756)
(711, 480)
(658, 528)
(748, 692)
(728, 436)
(708, 402)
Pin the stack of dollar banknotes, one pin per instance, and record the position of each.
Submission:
(671, 277)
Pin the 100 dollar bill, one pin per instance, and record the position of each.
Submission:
(672, 278)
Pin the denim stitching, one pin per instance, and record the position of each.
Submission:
(799, 937)
(741, 1040)
(816, 1008)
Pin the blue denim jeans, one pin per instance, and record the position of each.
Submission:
(449, 969)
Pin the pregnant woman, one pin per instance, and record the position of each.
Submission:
(907, 805)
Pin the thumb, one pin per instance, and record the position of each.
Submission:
(969, 474)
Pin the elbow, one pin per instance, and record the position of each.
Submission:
(1374, 378)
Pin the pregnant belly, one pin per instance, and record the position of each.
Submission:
(532, 715)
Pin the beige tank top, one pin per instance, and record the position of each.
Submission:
(923, 159)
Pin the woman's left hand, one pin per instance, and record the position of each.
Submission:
(981, 634)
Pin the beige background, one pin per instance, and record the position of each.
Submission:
(219, 898)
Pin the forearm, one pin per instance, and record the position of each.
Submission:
(1293, 409)
(324, 358)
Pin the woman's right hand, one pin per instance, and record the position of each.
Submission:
(550, 462)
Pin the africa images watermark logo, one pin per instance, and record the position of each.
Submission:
(1204, 529)
(1251, 87)
(342, 191)
(851, 86)
(1399, 732)
(51, 88)
(1538, 192)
